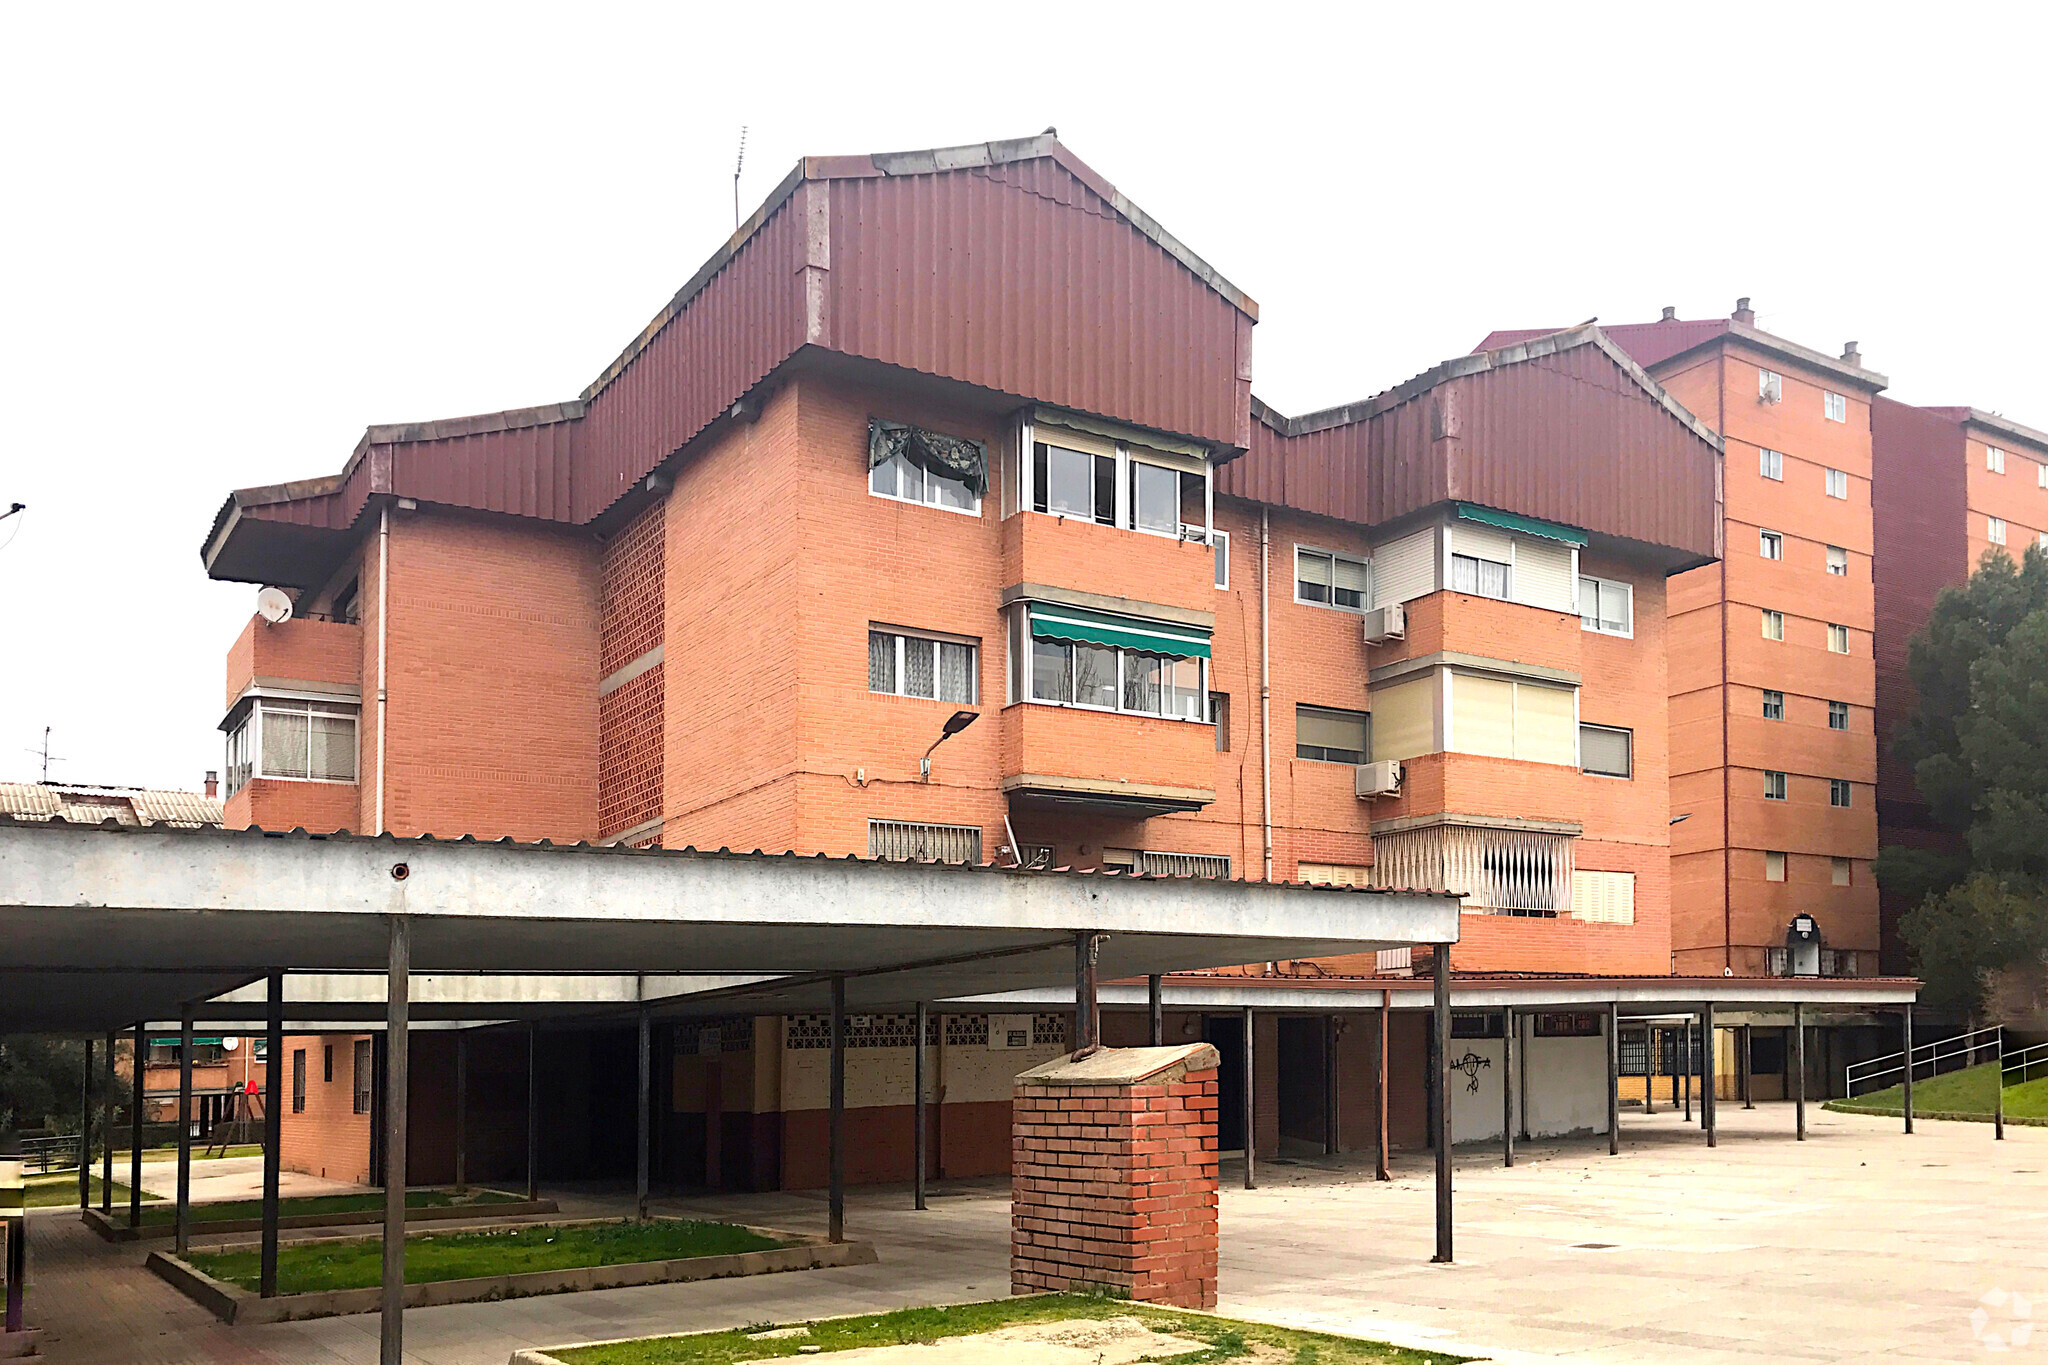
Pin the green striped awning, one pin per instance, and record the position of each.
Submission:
(172, 1041)
(1528, 526)
(1077, 624)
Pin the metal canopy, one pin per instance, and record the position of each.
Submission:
(109, 924)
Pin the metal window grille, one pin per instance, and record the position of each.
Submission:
(1777, 962)
(1183, 865)
(362, 1077)
(1508, 872)
(299, 1080)
(902, 842)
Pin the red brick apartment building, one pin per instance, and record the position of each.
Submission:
(1953, 485)
(965, 438)
(1773, 679)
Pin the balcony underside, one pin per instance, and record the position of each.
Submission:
(1131, 800)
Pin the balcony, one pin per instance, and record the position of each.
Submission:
(1106, 762)
(1077, 556)
(301, 654)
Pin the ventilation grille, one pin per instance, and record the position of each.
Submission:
(898, 841)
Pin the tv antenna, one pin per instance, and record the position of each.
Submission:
(736, 168)
(45, 754)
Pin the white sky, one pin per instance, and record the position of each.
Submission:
(234, 237)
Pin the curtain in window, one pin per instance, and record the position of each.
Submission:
(956, 672)
(949, 457)
(284, 743)
(333, 756)
(920, 667)
(881, 661)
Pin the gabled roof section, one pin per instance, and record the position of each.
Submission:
(1028, 277)
(1652, 344)
(1564, 428)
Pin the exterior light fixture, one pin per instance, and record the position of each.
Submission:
(959, 721)
(1681, 819)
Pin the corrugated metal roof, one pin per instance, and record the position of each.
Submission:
(1648, 343)
(1565, 428)
(1009, 266)
(79, 805)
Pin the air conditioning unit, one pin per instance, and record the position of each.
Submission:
(1379, 779)
(1386, 623)
(1007, 1032)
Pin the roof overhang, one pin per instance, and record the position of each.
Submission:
(1852, 376)
(106, 925)
(1129, 800)
(2006, 429)
(1635, 997)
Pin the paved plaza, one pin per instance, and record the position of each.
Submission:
(1857, 1245)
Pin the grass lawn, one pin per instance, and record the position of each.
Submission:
(315, 1267)
(1227, 1339)
(1955, 1092)
(61, 1191)
(306, 1205)
(198, 1153)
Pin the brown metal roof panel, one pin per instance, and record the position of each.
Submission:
(523, 472)
(727, 337)
(1020, 278)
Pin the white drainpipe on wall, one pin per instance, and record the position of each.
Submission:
(1265, 692)
(383, 618)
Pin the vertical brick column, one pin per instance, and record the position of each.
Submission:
(1113, 1175)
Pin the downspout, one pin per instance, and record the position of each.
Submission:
(1265, 690)
(383, 619)
(1727, 778)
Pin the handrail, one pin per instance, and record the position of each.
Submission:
(1893, 1065)
(2023, 1061)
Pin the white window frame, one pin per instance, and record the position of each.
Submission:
(1771, 463)
(1834, 406)
(1843, 571)
(1628, 776)
(1843, 787)
(1837, 483)
(1345, 711)
(1838, 632)
(1334, 556)
(1771, 617)
(2041, 474)
(1777, 786)
(1994, 530)
(1783, 863)
(1447, 740)
(1770, 386)
(1030, 697)
(1507, 593)
(1843, 712)
(1841, 871)
(901, 633)
(1770, 544)
(975, 511)
(1220, 542)
(1769, 693)
(250, 730)
(1994, 460)
(1123, 514)
(1628, 592)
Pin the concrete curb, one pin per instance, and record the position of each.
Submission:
(238, 1307)
(119, 1231)
(1833, 1108)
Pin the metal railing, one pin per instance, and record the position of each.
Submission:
(2025, 1064)
(44, 1154)
(1956, 1053)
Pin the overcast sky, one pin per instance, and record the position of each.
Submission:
(235, 237)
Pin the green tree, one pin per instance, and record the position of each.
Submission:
(1978, 746)
(39, 1084)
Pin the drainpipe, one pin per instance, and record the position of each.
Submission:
(383, 625)
(1727, 777)
(1265, 691)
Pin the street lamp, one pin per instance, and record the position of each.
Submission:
(959, 721)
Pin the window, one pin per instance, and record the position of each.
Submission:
(327, 1064)
(2041, 474)
(1838, 561)
(1838, 792)
(1481, 577)
(1603, 897)
(1771, 464)
(1770, 386)
(1606, 752)
(1073, 483)
(1994, 460)
(1838, 715)
(1774, 705)
(1329, 580)
(1327, 735)
(1994, 530)
(1073, 673)
(290, 738)
(1774, 625)
(1332, 874)
(1606, 607)
(1774, 867)
(1504, 718)
(299, 1080)
(1834, 407)
(908, 464)
(360, 1081)
(1838, 484)
(1774, 786)
(1838, 639)
(1221, 541)
(898, 841)
(1219, 716)
(1155, 498)
(921, 666)
(1770, 545)
(1840, 871)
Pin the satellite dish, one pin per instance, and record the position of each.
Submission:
(230, 1044)
(274, 606)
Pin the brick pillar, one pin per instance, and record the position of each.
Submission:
(1113, 1175)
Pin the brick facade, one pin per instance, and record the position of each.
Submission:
(1113, 1178)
